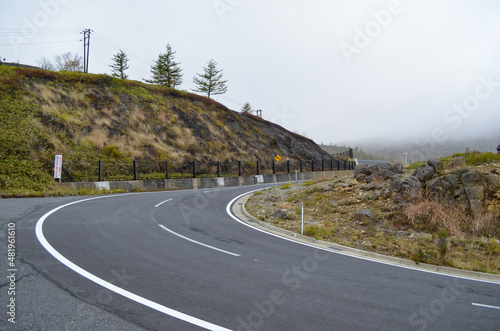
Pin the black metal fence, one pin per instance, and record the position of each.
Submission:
(101, 170)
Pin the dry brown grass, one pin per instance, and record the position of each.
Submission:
(99, 137)
(455, 217)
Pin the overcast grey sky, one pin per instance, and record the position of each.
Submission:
(341, 71)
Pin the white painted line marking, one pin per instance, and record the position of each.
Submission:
(161, 203)
(109, 286)
(485, 306)
(197, 242)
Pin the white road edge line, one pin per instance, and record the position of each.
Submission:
(161, 203)
(485, 306)
(196, 242)
(134, 297)
(229, 212)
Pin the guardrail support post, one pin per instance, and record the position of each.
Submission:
(301, 166)
(166, 166)
(239, 168)
(258, 168)
(135, 170)
(274, 168)
(218, 168)
(194, 169)
(312, 165)
(100, 170)
(288, 166)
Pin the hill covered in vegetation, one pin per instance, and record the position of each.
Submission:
(88, 118)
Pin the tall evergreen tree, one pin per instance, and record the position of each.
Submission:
(120, 64)
(210, 81)
(247, 108)
(166, 71)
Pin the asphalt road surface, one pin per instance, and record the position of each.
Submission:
(178, 261)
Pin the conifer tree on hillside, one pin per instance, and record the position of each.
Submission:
(210, 81)
(247, 108)
(165, 71)
(120, 64)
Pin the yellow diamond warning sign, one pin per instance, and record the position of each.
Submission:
(277, 158)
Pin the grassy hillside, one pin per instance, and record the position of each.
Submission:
(88, 118)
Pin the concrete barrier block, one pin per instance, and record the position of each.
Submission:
(233, 181)
(269, 178)
(284, 177)
(179, 184)
(154, 185)
(102, 185)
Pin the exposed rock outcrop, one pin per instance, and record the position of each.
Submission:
(478, 188)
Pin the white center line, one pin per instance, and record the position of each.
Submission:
(161, 203)
(197, 242)
(485, 306)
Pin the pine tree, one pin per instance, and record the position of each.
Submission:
(166, 71)
(120, 64)
(247, 108)
(210, 81)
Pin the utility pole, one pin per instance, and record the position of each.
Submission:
(86, 49)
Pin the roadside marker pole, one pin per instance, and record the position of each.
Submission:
(302, 231)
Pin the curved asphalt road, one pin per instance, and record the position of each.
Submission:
(178, 261)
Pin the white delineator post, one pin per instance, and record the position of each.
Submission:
(302, 231)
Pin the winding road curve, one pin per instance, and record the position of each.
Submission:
(178, 261)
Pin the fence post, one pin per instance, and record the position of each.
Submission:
(135, 170)
(166, 166)
(274, 168)
(288, 166)
(194, 169)
(218, 168)
(258, 168)
(300, 166)
(239, 168)
(100, 170)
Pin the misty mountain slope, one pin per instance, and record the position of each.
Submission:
(88, 117)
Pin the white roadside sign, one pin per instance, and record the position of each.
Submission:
(58, 166)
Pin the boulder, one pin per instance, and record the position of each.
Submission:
(408, 189)
(364, 215)
(493, 180)
(452, 180)
(424, 172)
(471, 178)
(476, 206)
(362, 169)
(436, 164)
(281, 214)
(475, 193)
(397, 168)
(435, 187)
